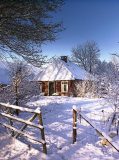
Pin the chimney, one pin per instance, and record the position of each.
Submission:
(64, 58)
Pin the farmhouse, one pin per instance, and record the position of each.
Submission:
(59, 77)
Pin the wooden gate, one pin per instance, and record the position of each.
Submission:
(17, 132)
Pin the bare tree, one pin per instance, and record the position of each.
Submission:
(18, 74)
(86, 55)
(101, 67)
(26, 25)
(21, 85)
(85, 88)
(109, 83)
(116, 54)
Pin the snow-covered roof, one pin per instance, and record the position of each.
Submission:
(33, 71)
(60, 70)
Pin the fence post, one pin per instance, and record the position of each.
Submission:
(118, 128)
(74, 124)
(42, 132)
(80, 115)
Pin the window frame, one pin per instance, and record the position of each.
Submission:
(63, 83)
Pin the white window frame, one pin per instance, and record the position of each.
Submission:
(63, 83)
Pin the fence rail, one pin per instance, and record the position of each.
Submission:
(75, 112)
(23, 109)
(17, 132)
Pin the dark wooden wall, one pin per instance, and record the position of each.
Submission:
(45, 88)
(71, 88)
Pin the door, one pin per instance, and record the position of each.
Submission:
(51, 88)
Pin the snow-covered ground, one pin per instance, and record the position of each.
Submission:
(12, 149)
(57, 119)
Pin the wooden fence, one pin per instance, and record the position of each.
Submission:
(103, 134)
(17, 132)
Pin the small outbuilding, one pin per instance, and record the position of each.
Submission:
(60, 77)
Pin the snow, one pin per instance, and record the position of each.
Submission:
(102, 133)
(33, 70)
(60, 70)
(74, 107)
(4, 71)
(57, 120)
(13, 149)
(4, 75)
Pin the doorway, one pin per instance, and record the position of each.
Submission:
(51, 88)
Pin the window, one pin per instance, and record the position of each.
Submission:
(64, 86)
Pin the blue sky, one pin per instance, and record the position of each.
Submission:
(84, 20)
